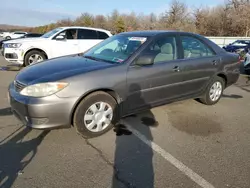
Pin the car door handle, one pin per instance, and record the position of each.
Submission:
(214, 62)
(176, 69)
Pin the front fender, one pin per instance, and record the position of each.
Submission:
(34, 47)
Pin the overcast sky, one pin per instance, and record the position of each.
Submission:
(34, 13)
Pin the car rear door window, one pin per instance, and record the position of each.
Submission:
(194, 48)
(163, 49)
(87, 34)
(32, 35)
(19, 33)
(102, 35)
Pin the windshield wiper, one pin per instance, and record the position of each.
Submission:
(91, 57)
(97, 59)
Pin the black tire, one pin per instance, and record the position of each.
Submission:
(206, 98)
(32, 52)
(78, 119)
(247, 71)
(8, 37)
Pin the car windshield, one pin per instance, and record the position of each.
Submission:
(115, 49)
(51, 33)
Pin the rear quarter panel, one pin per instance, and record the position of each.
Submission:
(231, 67)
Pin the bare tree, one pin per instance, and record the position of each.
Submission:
(85, 19)
(229, 19)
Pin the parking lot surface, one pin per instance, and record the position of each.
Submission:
(183, 144)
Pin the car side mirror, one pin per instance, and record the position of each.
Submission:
(144, 60)
(60, 37)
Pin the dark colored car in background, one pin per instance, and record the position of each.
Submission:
(120, 76)
(28, 35)
(239, 46)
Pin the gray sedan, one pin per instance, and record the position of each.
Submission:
(121, 76)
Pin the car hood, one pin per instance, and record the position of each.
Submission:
(22, 40)
(59, 69)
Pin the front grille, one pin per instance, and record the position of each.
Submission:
(18, 86)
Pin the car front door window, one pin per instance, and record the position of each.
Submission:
(69, 34)
(162, 50)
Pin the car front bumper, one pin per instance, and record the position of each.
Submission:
(41, 113)
(13, 55)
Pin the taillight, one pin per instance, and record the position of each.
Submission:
(240, 59)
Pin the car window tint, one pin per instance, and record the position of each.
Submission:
(194, 48)
(31, 35)
(70, 34)
(87, 34)
(162, 50)
(102, 35)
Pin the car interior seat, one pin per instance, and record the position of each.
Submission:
(166, 53)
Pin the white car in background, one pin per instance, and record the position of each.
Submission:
(1, 34)
(14, 35)
(4, 34)
(59, 42)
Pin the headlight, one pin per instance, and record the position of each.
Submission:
(12, 45)
(43, 89)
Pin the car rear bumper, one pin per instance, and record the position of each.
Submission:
(13, 55)
(41, 113)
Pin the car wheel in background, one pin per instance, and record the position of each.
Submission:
(34, 56)
(214, 91)
(8, 37)
(95, 115)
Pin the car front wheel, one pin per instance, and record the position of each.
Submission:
(214, 91)
(33, 56)
(95, 115)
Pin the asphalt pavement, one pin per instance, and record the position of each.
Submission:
(183, 144)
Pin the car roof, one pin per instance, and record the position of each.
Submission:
(20, 31)
(155, 33)
(79, 27)
(150, 33)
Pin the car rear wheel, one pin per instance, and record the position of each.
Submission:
(95, 115)
(214, 91)
(8, 37)
(33, 56)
